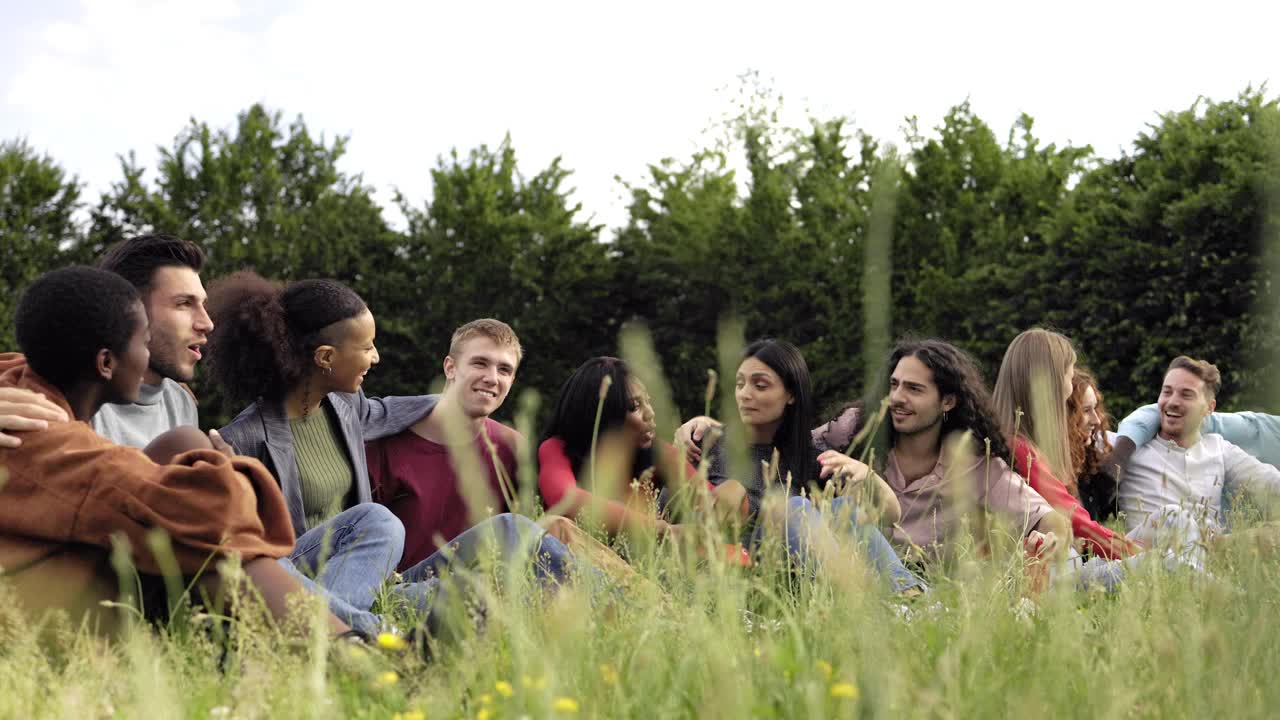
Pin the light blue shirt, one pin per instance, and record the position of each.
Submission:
(1256, 433)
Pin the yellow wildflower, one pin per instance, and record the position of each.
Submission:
(565, 705)
(825, 668)
(484, 714)
(486, 699)
(609, 674)
(410, 715)
(386, 679)
(533, 683)
(504, 688)
(391, 641)
(849, 691)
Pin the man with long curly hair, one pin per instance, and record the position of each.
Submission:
(942, 432)
(937, 400)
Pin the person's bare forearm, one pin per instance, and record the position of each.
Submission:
(275, 584)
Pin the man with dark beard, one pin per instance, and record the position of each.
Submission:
(166, 272)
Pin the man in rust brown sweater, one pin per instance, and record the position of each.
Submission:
(66, 492)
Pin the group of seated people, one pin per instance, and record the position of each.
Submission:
(318, 489)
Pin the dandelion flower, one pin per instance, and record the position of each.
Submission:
(565, 705)
(391, 641)
(410, 715)
(484, 714)
(608, 674)
(825, 668)
(504, 688)
(845, 690)
(386, 679)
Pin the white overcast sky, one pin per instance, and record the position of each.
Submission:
(609, 86)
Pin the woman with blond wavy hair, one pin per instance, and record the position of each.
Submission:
(1031, 399)
(1031, 393)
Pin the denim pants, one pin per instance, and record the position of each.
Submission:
(352, 553)
(804, 520)
(506, 538)
(349, 586)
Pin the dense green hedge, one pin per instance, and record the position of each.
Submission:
(1156, 253)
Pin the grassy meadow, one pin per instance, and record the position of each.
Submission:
(688, 637)
(714, 641)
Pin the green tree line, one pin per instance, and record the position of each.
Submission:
(1161, 251)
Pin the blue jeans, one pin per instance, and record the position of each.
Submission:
(879, 551)
(507, 538)
(803, 521)
(509, 541)
(352, 553)
(347, 558)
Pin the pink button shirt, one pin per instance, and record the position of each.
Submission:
(932, 506)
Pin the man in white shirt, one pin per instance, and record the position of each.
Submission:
(1182, 467)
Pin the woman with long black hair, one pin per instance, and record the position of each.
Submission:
(773, 391)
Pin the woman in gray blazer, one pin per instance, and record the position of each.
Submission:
(298, 355)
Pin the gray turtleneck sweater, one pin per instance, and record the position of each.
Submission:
(160, 408)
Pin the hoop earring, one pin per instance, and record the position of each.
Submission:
(944, 416)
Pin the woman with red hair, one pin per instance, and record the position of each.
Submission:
(1089, 427)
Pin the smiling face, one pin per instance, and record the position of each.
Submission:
(640, 424)
(175, 305)
(1089, 412)
(1183, 404)
(915, 404)
(130, 365)
(762, 397)
(352, 356)
(480, 375)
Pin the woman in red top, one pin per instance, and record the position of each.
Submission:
(1031, 395)
(626, 476)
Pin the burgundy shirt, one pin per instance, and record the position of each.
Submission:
(415, 479)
